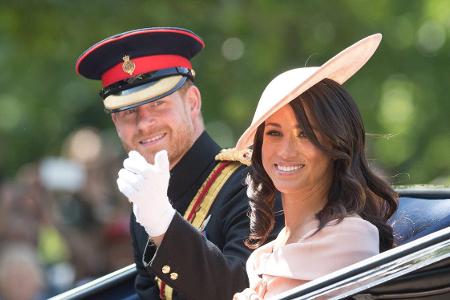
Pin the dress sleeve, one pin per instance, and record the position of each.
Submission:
(336, 246)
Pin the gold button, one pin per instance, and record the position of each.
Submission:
(165, 269)
(173, 276)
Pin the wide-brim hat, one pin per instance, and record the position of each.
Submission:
(290, 84)
(140, 66)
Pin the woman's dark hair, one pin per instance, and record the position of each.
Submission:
(355, 189)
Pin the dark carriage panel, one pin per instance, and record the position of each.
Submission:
(431, 282)
(420, 214)
(117, 285)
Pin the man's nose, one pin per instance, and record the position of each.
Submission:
(145, 116)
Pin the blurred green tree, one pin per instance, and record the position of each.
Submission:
(401, 91)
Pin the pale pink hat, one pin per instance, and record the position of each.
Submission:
(289, 85)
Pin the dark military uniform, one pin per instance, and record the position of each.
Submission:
(201, 271)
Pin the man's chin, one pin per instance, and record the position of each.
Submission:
(149, 155)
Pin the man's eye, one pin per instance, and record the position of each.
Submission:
(156, 103)
(130, 111)
(125, 113)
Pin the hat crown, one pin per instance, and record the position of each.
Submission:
(139, 43)
(283, 84)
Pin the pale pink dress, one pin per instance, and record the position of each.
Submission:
(332, 248)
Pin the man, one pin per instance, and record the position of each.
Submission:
(148, 87)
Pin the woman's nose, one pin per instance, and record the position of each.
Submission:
(289, 147)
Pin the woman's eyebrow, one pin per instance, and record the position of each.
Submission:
(273, 124)
(279, 126)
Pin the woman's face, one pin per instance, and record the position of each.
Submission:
(290, 159)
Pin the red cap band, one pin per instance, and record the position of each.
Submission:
(144, 64)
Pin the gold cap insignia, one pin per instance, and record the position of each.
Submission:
(128, 66)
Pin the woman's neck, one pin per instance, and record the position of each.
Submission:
(301, 207)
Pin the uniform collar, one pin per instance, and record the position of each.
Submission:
(198, 160)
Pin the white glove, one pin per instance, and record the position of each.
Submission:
(146, 185)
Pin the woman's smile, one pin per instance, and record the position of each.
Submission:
(288, 168)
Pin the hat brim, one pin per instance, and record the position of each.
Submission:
(149, 93)
(290, 84)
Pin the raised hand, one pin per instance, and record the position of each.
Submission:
(145, 185)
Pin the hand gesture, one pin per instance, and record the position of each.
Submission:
(256, 293)
(247, 294)
(145, 185)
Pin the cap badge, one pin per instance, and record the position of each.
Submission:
(128, 66)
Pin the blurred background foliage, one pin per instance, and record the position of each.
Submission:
(402, 92)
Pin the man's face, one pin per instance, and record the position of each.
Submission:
(170, 123)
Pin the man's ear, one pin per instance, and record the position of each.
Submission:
(115, 120)
(194, 100)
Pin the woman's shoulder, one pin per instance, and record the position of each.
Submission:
(350, 228)
(351, 223)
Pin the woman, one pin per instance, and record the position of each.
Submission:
(308, 143)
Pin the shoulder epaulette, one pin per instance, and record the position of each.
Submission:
(232, 154)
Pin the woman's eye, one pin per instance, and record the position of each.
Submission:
(273, 133)
(302, 134)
